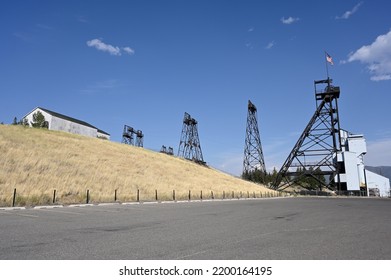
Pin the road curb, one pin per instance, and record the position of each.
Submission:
(12, 208)
(109, 204)
(80, 205)
(130, 203)
(138, 203)
(48, 206)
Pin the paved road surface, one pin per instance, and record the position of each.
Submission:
(288, 228)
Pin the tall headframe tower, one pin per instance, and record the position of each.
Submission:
(189, 145)
(253, 163)
(313, 160)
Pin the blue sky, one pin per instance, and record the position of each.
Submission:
(145, 63)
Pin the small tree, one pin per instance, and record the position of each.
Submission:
(15, 122)
(39, 120)
(272, 176)
(256, 176)
(24, 122)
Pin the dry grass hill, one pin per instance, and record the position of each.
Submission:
(36, 162)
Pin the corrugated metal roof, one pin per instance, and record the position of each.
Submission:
(61, 116)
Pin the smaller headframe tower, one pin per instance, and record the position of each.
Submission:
(132, 137)
(253, 163)
(189, 145)
(169, 151)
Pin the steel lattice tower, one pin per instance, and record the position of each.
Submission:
(313, 158)
(253, 156)
(189, 145)
(128, 136)
(139, 138)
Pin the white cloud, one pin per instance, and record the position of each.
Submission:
(381, 78)
(270, 45)
(128, 50)
(99, 45)
(377, 56)
(348, 14)
(289, 20)
(113, 50)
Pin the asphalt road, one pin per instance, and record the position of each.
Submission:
(287, 228)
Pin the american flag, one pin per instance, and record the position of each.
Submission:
(329, 59)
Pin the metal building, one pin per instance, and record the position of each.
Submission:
(377, 185)
(60, 122)
(354, 177)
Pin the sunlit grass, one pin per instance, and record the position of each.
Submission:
(36, 162)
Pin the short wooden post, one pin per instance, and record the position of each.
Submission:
(88, 197)
(54, 196)
(14, 198)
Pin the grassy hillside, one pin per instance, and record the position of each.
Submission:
(36, 162)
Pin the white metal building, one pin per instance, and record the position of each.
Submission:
(353, 175)
(377, 185)
(61, 122)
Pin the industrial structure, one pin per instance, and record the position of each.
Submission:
(169, 151)
(377, 185)
(253, 162)
(60, 122)
(312, 160)
(132, 137)
(353, 175)
(327, 157)
(189, 145)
